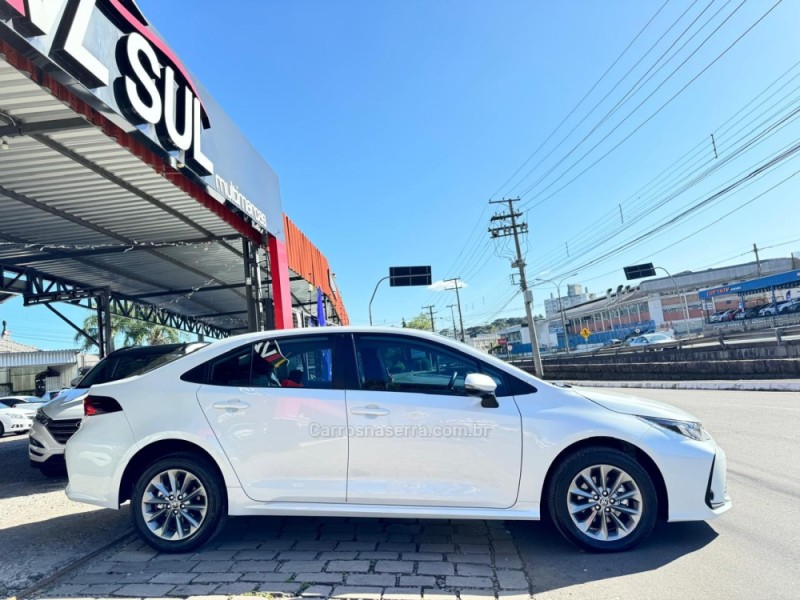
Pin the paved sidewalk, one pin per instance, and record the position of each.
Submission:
(393, 559)
(759, 385)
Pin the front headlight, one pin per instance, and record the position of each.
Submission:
(41, 417)
(17, 416)
(690, 429)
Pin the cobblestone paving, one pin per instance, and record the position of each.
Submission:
(370, 559)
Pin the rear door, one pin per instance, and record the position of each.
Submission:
(266, 425)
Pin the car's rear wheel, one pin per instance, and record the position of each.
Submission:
(602, 500)
(178, 503)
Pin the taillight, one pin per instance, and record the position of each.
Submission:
(100, 405)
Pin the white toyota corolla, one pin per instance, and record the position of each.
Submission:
(384, 422)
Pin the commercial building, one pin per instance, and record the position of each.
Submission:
(680, 304)
(126, 189)
(575, 295)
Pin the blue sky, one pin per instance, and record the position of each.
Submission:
(391, 124)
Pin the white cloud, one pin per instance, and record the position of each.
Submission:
(446, 286)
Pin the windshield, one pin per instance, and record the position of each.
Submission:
(134, 362)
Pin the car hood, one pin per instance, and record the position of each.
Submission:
(633, 405)
(67, 405)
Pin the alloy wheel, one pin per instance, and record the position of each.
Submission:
(174, 504)
(604, 502)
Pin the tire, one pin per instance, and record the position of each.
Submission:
(190, 525)
(2, 430)
(628, 511)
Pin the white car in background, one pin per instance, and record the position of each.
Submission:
(651, 338)
(369, 422)
(16, 413)
(60, 418)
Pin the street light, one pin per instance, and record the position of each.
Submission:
(560, 305)
(649, 270)
(683, 295)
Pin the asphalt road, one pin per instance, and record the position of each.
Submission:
(751, 552)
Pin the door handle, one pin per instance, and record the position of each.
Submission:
(231, 405)
(369, 411)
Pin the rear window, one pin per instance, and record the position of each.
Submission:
(137, 362)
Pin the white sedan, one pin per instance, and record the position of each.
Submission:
(14, 418)
(651, 338)
(367, 422)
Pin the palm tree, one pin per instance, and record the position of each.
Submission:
(133, 332)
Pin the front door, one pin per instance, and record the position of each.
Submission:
(265, 403)
(416, 438)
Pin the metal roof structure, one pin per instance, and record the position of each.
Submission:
(81, 209)
(96, 211)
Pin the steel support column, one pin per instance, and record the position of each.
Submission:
(252, 305)
(281, 286)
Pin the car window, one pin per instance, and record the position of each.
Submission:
(232, 369)
(128, 364)
(305, 361)
(8, 402)
(399, 364)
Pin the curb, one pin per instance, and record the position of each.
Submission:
(739, 385)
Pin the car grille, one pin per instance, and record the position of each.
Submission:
(63, 429)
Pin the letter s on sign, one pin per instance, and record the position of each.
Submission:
(137, 91)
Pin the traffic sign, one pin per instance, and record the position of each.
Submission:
(585, 333)
(408, 276)
(640, 271)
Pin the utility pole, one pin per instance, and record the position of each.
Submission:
(430, 309)
(758, 262)
(458, 300)
(515, 229)
(453, 315)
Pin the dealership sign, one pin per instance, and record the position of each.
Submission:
(148, 83)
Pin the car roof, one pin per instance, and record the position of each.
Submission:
(155, 349)
(220, 346)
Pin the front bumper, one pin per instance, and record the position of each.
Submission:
(694, 474)
(717, 498)
(42, 447)
(20, 425)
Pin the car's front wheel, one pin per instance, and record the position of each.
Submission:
(602, 500)
(178, 503)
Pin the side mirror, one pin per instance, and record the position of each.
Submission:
(483, 386)
(74, 381)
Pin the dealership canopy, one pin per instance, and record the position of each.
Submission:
(790, 279)
(126, 188)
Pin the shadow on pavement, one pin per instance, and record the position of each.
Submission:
(553, 563)
(36, 550)
(18, 478)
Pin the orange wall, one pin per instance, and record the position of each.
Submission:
(306, 260)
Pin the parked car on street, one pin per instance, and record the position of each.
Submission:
(14, 401)
(789, 306)
(57, 421)
(651, 338)
(380, 422)
(753, 311)
(769, 310)
(14, 421)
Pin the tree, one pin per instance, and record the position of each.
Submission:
(421, 321)
(133, 332)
